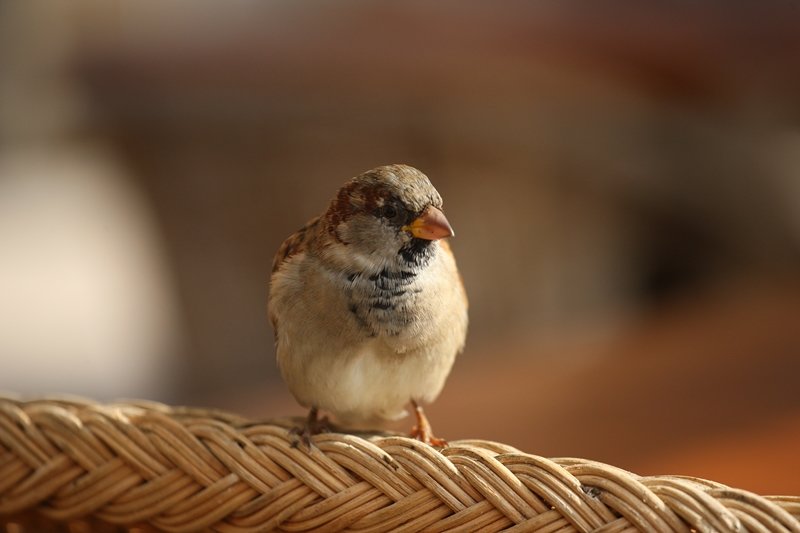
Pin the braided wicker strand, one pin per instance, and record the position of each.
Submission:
(150, 466)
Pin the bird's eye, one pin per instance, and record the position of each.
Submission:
(388, 211)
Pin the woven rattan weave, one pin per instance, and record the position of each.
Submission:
(72, 464)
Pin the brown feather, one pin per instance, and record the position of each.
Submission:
(296, 243)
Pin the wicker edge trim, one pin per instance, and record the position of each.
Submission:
(143, 464)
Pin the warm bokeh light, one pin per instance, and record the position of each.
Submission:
(623, 180)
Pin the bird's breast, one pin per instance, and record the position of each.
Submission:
(385, 304)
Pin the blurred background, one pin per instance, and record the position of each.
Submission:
(623, 178)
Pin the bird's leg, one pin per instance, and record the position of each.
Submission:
(422, 431)
(312, 426)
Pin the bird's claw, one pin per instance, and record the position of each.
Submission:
(422, 431)
(312, 426)
(425, 436)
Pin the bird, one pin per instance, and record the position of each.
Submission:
(367, 304)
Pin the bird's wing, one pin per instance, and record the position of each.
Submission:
(296, 243)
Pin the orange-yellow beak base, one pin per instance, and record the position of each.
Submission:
(431, 225)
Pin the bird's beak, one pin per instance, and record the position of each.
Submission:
(431, 225)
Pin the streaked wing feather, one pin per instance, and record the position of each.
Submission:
(296, 242)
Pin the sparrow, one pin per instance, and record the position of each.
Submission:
(367, 304)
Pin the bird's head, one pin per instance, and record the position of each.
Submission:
(388, 213)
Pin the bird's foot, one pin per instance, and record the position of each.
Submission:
(313, 426)
(422, 431)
